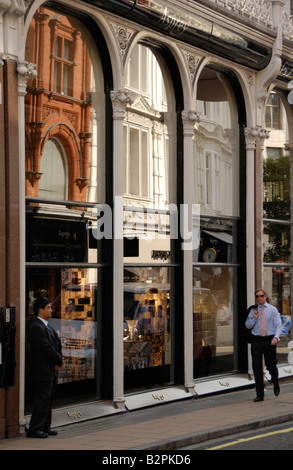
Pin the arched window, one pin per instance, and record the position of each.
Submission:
(217, 192)
(53, 166)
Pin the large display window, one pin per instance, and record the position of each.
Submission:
(147, 326)
(65, 178)
(150, 195)
(218, 258)
(277, 222)
(73, 293)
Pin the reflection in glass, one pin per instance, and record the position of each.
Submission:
(277, 283)
(217, 241)
(73, 293)
(52, 239)
(216, 166)
(213, 310)
(61, 107)
(277, 242)
(147, 340)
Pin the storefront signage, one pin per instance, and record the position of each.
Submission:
(286, 69)
(160, 254)
(75, 415)
(190, 27)
(224, 384)
(158, 397)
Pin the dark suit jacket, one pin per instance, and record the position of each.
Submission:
(45, 352)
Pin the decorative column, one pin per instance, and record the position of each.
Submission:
(120, 99)
(250, 140)
(254, 214)
(190, 118)
(25, 71)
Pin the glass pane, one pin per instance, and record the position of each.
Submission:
(217, 241)
(66, 240)
(134, 157)
(147, 237)
(148, 171)
(213, 319)
(277, 187)
(216, 159)
(277, 243)
(73, 293)
(277, 283)
(64, 108)
(147, 339)
(53, 184)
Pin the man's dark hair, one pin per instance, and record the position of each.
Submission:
(40, 303)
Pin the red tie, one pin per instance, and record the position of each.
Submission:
(263, 326)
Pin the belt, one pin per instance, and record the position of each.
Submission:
(263, 337)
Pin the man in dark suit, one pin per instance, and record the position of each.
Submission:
(45, 359)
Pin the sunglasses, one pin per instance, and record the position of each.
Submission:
(261, 295)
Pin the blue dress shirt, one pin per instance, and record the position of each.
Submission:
(273, 321)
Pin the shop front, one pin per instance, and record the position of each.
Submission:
(143, 213)
(71, 198)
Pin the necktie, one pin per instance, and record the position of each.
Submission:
(263, 326)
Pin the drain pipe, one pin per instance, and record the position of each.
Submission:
(270, 73)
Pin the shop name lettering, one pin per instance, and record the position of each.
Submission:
(158, 397)
(75, 415)
(172, 21)
(148, 224)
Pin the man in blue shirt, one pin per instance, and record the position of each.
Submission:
(265, 324)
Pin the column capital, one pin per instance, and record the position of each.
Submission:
(252, 134)
(190, 119)
(16, 7)
(121, 99)
(25, 71)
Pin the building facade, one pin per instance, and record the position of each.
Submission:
(146, 190)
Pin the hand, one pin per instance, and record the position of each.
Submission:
(274, 341)
(256, 314)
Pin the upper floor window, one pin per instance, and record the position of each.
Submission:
(63, 67)
(53, 167)
(273, 112)
(136, 161)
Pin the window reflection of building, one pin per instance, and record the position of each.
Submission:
(58, 101)
(216, 190)
(277, 216)
(60, 164)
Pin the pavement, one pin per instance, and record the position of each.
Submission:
(169, 426)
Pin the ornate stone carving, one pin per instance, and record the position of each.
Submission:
(254, 133)
(121, 99)
(190, 119)
(25, 71)
(33, 176)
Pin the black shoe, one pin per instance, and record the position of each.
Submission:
(37, 434)
(51, 432)
(276, 390)
(258, 399)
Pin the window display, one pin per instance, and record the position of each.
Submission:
(73, 294)
(147, 339)
(213, 345)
